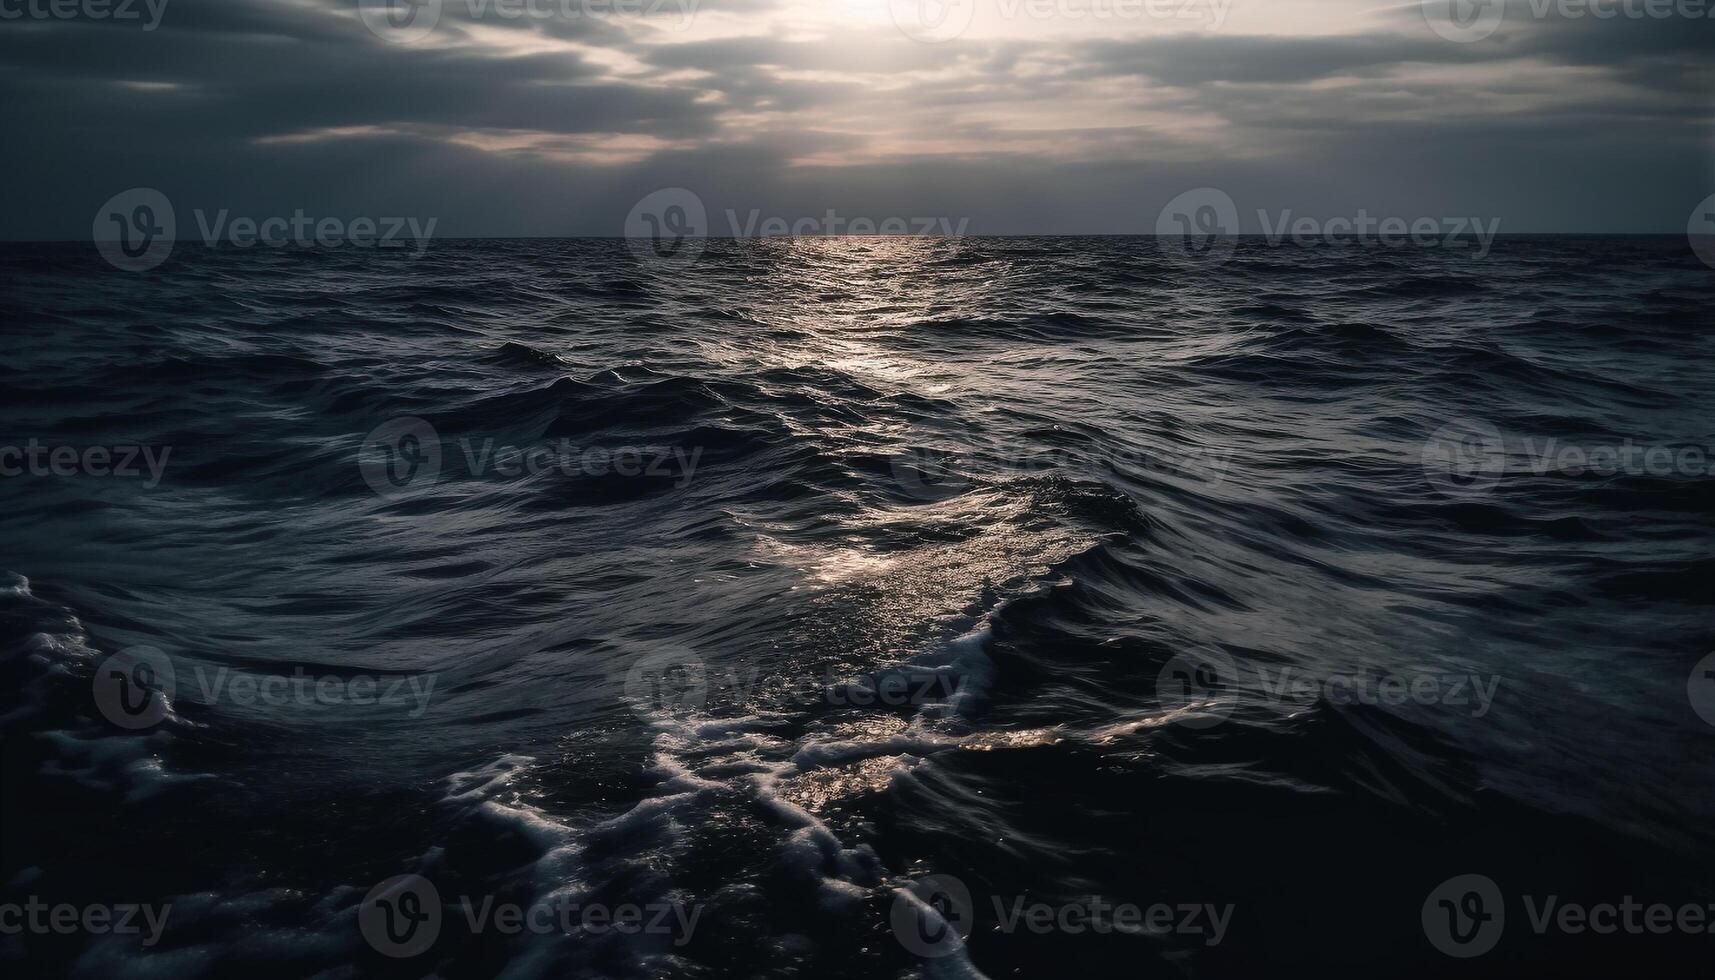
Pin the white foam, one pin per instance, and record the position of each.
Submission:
(113, 763)
(952, 962)
(835, 752)
(699, 758)
(484, 781)
(527, 821)
(87, 752)
(966, 658)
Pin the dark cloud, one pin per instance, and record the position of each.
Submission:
(556, 126)
(1200, 59)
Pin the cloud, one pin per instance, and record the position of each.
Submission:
(547, 124)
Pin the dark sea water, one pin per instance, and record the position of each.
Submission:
(768, 587)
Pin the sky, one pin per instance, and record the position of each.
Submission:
(1010, 116)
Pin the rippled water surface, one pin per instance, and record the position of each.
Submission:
(767, 585)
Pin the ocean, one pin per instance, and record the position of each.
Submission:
(859, 607)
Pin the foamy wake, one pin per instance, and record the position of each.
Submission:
(698, 759)
(48, 695)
